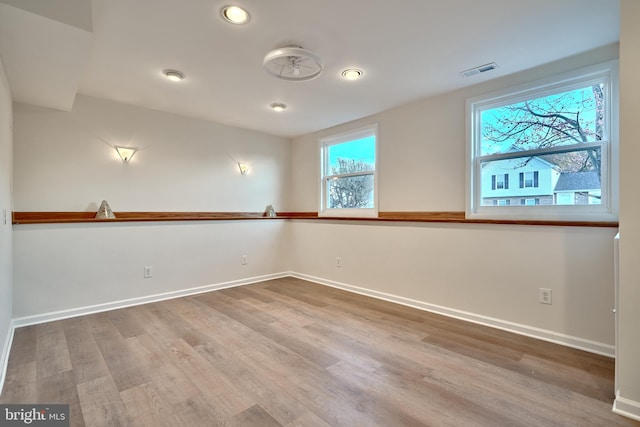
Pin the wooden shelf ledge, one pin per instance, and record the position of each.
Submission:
(77, 217)
(446, 217)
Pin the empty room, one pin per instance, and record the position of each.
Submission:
(319, 213)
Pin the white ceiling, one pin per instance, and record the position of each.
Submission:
(408, 49)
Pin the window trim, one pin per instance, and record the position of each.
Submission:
(606, 72)
(339, 138)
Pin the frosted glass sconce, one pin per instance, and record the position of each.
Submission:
(105, 212)
(125, 153)
(244, 168)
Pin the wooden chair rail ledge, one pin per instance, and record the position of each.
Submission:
(395, 216)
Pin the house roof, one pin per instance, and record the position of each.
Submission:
(518, 164)
(578, 181)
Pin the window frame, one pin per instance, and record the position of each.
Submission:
(341, 138)
(606, 73)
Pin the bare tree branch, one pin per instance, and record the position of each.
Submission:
(551, 121)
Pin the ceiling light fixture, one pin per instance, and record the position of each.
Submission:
(235, 15)
(292, 63)
(173, 75)
(351, 74)
(278, 107)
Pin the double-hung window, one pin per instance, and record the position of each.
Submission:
(499, 182)
(348, 182)
(557, 142)
(529, 179)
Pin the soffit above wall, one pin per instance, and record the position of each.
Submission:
(44, 58)
(77, 13)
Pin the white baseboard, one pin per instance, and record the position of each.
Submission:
(4, 356)
(627, 408)
(82, 311)
(542, 334)
(567, 340)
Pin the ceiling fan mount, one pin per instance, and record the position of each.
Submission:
(292, 63)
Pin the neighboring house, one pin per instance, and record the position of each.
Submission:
(528, 181)
(534, 181)
(580, 188)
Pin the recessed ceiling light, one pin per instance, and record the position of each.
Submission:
(173, 75)
(235, 14)
(351, 74)
(278, 107)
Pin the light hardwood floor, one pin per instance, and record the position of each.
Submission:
(291, 353)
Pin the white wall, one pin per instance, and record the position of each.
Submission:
(64, 162)
(66, 267)
(628, 361)
(6, 268)
(492, 271)
(486, 270)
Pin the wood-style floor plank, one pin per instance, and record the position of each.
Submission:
(283, 406)
(61, 388)
(148, 408)
(86, 358)
(102, 405)
(255, 416)
(52, 352)
(20, 384)
(287, 352)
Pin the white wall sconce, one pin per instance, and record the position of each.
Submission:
(278, 107)
(243, 167)
(105, 212)
(173, 75)
(125, 153)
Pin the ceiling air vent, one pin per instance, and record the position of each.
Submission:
(479, 70)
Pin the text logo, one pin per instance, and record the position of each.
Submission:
(34, 415)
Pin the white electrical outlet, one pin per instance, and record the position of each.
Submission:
(148, 271)
(338, 262)
(544, 295)
(244, 260)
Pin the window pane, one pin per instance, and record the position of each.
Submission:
(350, 192)
(353, 156)
(572, 178)
(348, 173)
(571, 117)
